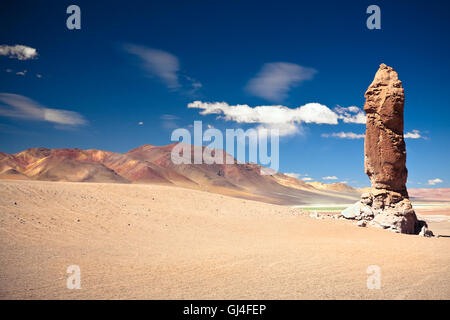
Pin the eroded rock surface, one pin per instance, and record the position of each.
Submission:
(384, 146)
(387, 204)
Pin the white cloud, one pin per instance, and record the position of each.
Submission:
(275, 80)
(270, 117)
(17, 106)
(242, 113)
(295, 175)
(434, 181)
(141, 123)
(38, 75)
(415, 134)
(18, 51)
(307, 179)
(283, 129)
(330, 178)
(21, 73)
(344, 135)
(351, 114)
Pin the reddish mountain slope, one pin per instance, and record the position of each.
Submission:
(436, 194)
(153, 164)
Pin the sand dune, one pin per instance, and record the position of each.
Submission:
(163, 242)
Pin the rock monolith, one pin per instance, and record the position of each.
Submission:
(387, 204)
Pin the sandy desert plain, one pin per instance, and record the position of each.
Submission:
(149, 241)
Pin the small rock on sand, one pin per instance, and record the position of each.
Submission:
(424, 232)
(361, 223)
(352, 212)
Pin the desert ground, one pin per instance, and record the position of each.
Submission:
(160, 242)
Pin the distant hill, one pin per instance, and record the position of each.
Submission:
(430, 194)
(423, 194)
(153, 164)
(337, 186)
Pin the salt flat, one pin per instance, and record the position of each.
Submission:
(160, 242)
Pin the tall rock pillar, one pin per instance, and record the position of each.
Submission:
(384, 146)
(387, 204)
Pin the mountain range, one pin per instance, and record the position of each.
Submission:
(150, 164)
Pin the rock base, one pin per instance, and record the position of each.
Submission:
(388, 210)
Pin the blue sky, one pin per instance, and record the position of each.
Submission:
(145, 61)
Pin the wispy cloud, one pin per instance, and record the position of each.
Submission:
(344, 135)
(351, 114)
(433, 182)
(164, 66)
(275, 80)
(18, 51)
(193, 85)
(279, 117)
(169, 121)
(330, 178)
(158, 63)
(22, 73)
(17, 106)
(415, 134)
